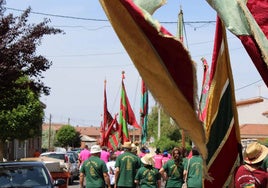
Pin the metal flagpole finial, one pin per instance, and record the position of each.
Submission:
(123, 74)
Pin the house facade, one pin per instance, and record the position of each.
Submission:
(253, 119)
(91, 134)
(252, 114)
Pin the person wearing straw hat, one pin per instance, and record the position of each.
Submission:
(147, 175)
(95, 170)
(126, 167)
(250, 174)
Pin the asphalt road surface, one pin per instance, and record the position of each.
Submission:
(75, 184)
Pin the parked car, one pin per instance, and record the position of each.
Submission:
(75, 154)
(26, 174)
(74, 165)
(64, 157)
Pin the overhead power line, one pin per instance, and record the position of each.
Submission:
(102, 20)
(60, 16)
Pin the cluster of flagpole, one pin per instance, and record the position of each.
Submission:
(113, 132)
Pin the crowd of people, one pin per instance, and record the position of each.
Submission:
(131, 166)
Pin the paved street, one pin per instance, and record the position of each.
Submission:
(75, 184)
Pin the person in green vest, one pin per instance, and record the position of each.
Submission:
(193, 168)
(95, 170)
(148, 176)
(172, 170)
(126, 166)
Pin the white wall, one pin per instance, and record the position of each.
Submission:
(252, 113)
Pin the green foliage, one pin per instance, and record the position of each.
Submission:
(168, 128)
(165, 143)
(67, 136)
(45, 138)
(264, 142)
(21, 114)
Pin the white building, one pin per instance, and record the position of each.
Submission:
(253, 111)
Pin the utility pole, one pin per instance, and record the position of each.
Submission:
(49, 132)
(159, 122)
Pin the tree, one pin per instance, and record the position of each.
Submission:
(19, 41)
(21, 115)
(67, 136)
(45, 138)
(170, 132)
(20, 76)
(168, 127)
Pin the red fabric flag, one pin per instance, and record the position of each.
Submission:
(162, 61)
(107, 119)
(112, 134)
(224, 145)
(248, 21)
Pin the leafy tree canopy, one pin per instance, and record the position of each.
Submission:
(67, 136)
(21, 114)
(21, 71)
(167, 126)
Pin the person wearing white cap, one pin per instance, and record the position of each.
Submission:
(250, 174)
(95, 170)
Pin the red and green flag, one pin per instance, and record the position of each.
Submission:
(126, 115)
(112, 134)
(248, 21)
(221, 123)
(144, 112)
(162, 61)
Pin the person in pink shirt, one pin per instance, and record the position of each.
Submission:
(105, 155)
(158, 159)
(118, 151)
(84, 155)
(165, 157)
(143, 152)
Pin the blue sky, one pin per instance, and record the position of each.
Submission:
(90, 52)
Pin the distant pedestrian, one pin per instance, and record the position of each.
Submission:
(172, 171)
(118, 151)
(165, 158)
(193, 168)
(36, 153)
(147, 175)
(251, 174)
(94, 170)
(111, 169)
(142, 151)
(158, 157)
(105, 155)
(84, 155)
(126, 166)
